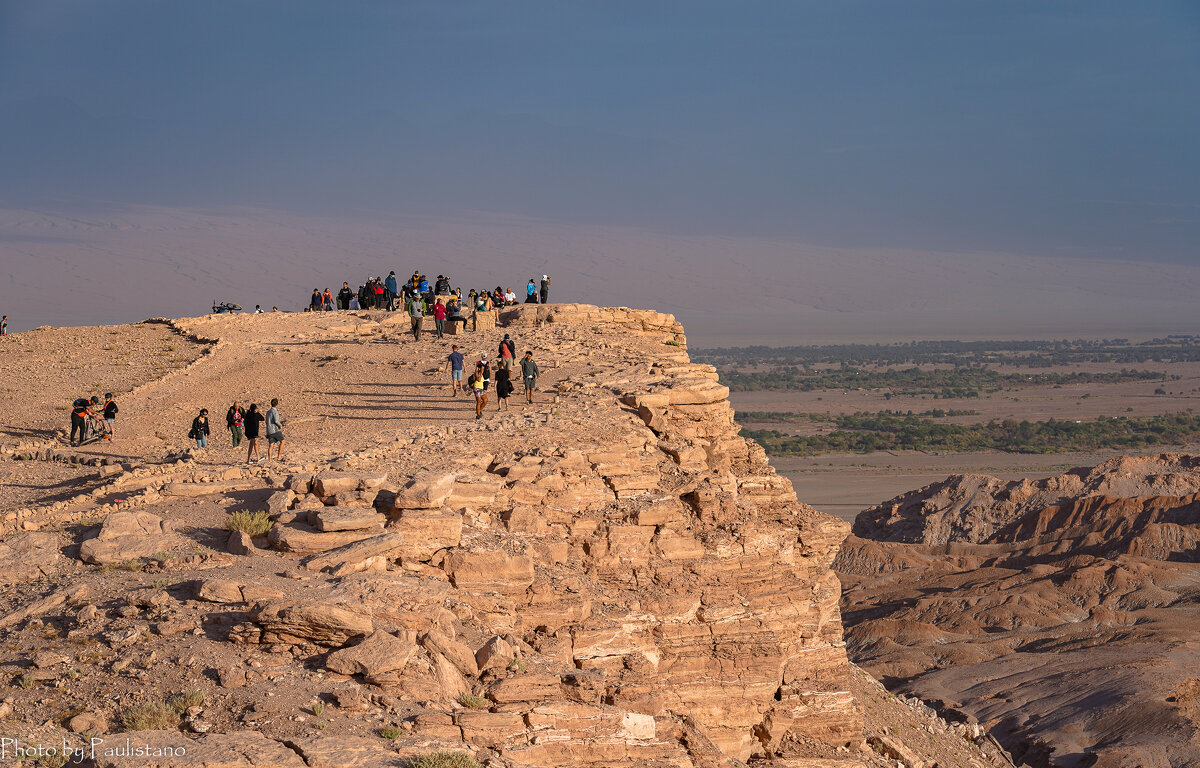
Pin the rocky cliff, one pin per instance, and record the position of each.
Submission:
(610, 576)
(1060, 612)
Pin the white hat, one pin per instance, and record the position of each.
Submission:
(545, 278)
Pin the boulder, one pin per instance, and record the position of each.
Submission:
(427, 490)
(219, 591)
(525, 688)
(426, 531)
(303, 540)
(280, 501)
(29, 555)
(455, 652)
(379, 653)
(346, 519)
(293, 623)
(128, 536)
(496, 654)
(489, 571)
(344, 558)
(241, 543)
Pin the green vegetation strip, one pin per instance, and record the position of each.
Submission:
(947, 383)
(1033, 354)
(867, 432)
(746, 417)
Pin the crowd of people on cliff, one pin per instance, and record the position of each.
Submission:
(91, 420)
(390, 295)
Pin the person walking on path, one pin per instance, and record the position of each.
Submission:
(529, 373)
(531, 292)
(235, 422)
(476, 385)
(504, 385)
(253, 421)
(508, 350)
(110, 414)
(439, 317)
(454, 369)
(274, 430)
(545, 290)
(487, 370)
(199, 431)
(416, 311)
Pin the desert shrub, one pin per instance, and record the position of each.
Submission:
(472, 701)
(185, 701)
(152, 716)
(391, 732)
(444, 760)
(253, 523)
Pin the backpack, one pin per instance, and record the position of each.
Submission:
(81, 402)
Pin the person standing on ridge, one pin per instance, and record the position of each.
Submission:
(504, 385)
(253, 421)
(344, 296)
(393, 288)
(110, 414)
(4, 326)
(274, 429)
(531, 292)
(314, 304)
(545, 290)
(416, 311)
(529, 373)
(439, 317)
(235, 422)
(327, 300)
(454, 368)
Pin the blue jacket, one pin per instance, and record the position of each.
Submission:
(390, 284)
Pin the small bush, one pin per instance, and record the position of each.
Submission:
(153, 716)
(472, 701)
(391, 732)
(253, 523)
(672, 343)
(444, 760)
(185, 701)
(26, 681)
(318, 709)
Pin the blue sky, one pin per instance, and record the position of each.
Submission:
(1066, 128)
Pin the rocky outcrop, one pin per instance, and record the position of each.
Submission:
(1013, 602)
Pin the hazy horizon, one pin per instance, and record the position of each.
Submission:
(928, 131)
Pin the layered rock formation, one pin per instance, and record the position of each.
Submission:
(1060, 612)
(610, 577)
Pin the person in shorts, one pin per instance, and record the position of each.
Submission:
(252, 422)
(475, 383)
(274, 425)
(110, 414)
(454, 369)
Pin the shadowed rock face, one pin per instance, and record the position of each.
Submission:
(1062, 612)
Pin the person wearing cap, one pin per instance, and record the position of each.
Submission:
(487, 370)
(508, 350)
(545, 290)
(531, 292)
(442, 286)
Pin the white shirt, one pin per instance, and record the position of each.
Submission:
(510, 296)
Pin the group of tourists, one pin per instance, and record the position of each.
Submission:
(245, 423)
(479, 381)
(389, 295)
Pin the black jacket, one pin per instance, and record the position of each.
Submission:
(199, 425)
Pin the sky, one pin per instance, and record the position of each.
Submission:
(1045, 129)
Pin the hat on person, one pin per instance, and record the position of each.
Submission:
(483, 356)
(506, 337)
(545, 278)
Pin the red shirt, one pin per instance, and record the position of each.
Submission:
(439, 311)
